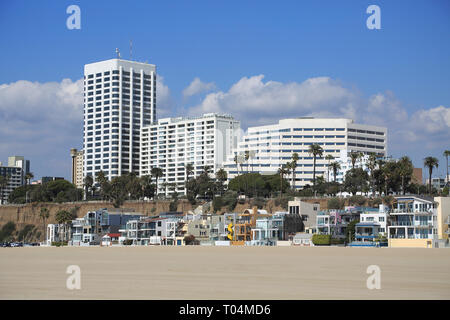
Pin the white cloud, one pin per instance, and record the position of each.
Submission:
(196, 87)
(258, 102)
(42, 121)
(251, 99)
(164, 101)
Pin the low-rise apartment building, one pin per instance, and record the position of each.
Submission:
(269, 147)
(413, 222)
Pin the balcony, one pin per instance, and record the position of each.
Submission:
(364, 236)
(401, 224)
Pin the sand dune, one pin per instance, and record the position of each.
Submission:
(224, 273)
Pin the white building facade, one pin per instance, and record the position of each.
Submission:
(14, 173)
(172, 143)
(271, 146)
(119, 99)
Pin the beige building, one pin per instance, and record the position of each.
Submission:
(443, 216)
(77, 167)
(308, 212)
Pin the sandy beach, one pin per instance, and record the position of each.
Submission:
(199, 272)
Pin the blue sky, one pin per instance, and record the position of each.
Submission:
(401, 69)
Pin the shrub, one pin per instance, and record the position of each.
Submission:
(321, 239)
(190, 240)
(7, 231)
(335, 203)
(337, 241)
(217, 204)
(259, 202)
(376, 202)
(357, 200)
(59, 243)
(230, 199)
(127, 242)
(173, 205)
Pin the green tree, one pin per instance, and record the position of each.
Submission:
(282, 171)
(355, 179)
(350, 231)
(236, 161)
(294, 162)
(406, 168)
(189, 169)
(28, 177)
(329, 158)
(105, 186)
(64, 218)
(148, 188)
(88, 184)
(430, 163)
(335, 166)
(316, 151)
(354, 156)
(156, 174)
(44, 214)
(221, 176)
(119, 192)
(336, 203)
(371, 165)
(4, 180)
(7, 231)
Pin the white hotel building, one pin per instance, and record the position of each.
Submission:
(271, 146)
(172, 143)
(119, 99)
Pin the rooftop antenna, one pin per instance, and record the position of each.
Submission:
(118, 53)
(131, 50)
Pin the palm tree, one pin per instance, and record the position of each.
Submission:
(354, 157)
(446, 154)
(315, 150)
(405, 170)
(246, 157)
(28, 177)
(294, 167)
(236, 161)
(430, 163)
(282, 171)
(221, 176)
(4, 180)
(44, 215)
(329, 157)
(371, 165)
(189, 168)
(102, 180)
(88, 183)
(63, 217)
(156, 173)
(335, 166)
(206, 170)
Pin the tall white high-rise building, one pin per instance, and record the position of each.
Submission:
(172, 143)
(269, 147)
(119, 99)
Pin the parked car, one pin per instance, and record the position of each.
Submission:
(16, 244)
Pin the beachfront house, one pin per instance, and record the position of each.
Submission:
(413, 222)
